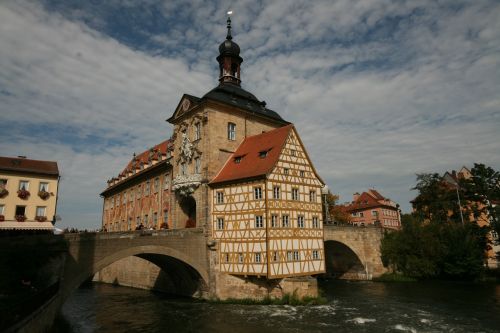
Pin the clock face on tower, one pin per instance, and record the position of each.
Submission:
(185, 105)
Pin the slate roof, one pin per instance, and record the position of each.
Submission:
(16, 164)
(251, 164)
(234, 95)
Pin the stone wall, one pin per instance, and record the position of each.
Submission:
(135, 272)
(239, 287)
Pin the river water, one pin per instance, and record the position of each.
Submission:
(351, 307)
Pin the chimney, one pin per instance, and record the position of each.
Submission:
(355, 196)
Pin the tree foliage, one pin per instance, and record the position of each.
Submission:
(432, 242)
(425, 250)
(337, 213)
(436, 199)
(482, 193)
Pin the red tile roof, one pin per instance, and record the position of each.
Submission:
(366, 200)
(144, 156)
(16, 164)
(251, 164)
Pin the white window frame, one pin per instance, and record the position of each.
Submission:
(231, 131)
(27, 187)
(300, 221)
(43, 186)
(220, 197)
(296, 255)
(274, 221)
(241, 259)
(285, 221)
(313, 196)
(259, 221)
(41, 209)
(289, 256)
(2, 208)
(295, 193)
(257, 193)
(220, 223)
(315, 255)
(257, 257)
(276, 192)
(315, 222)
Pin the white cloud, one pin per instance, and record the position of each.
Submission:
(379, 90)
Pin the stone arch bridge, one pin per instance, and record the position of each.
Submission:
(181, 254)
(353, 252)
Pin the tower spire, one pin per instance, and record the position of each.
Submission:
(229, 37)
(229, 58)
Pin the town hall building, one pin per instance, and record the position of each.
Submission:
(234, 168)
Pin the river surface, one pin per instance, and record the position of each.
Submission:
(351, 307)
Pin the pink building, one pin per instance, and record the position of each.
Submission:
(371, 208)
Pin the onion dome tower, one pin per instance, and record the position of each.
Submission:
(229, 59)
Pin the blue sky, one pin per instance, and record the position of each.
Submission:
(378, 90)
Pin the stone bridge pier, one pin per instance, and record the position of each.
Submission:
(353, 253)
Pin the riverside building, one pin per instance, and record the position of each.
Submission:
(237, 169)
(28, 194)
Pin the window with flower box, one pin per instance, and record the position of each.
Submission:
(24, 185)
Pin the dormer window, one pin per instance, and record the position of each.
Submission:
(263, 154)
(237, 159)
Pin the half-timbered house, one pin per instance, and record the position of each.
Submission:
(266, 208)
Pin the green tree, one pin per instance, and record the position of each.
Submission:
(436, 200)
(482, 193)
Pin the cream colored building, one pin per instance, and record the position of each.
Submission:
(28, 193)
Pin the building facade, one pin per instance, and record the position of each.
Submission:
(140, 196)
(239, 171)
(371, 208)
(28, 194)
(266, 208)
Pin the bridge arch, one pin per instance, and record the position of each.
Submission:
(343, 261)
(162, 256)
(356, 251)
